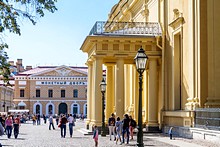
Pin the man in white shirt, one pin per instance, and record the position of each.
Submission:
(71, 124)
(51, 123)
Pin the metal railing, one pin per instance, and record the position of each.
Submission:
(126, 28)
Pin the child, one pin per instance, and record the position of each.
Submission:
(95, 135)
(171, 132)
(118, 126)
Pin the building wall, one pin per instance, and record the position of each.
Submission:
(6, 98)
(187, 69)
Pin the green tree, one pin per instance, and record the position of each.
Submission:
(14, 11)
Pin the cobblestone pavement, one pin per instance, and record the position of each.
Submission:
(41, 136)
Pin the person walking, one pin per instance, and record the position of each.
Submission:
(111, 126)
(171, 133)
(38, 119)
(1, 131)
(96, 135)
(71, 124)
(45, 119)
(125, 129)
(8, 124)
(132, 125)
(34, 119)
(118, 126)
(57, 119)
(63, 122)
(51, 122)
(16, 126)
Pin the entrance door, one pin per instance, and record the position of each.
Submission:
(62, 108)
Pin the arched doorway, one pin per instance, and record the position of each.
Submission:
(75, 109)
(37, 109)
(62, 108)
(50, 109)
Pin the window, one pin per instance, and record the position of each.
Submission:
(50, 109)
(21, 92)
(37, 92)
(62, 93)
(75, 93)
(50, 93)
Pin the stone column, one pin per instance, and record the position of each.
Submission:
(135, 92)
(152, 124)
(89, 93)
(96, 93)
(119, 88)
(127, 88)
(110, 97)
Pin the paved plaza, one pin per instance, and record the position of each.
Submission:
(41, 136)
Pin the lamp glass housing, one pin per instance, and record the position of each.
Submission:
(103, 85)
(141, 60)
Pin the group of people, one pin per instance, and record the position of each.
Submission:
(9, 123)
(121, 129)
(61, 122)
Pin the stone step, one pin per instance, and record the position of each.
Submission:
(85, 131)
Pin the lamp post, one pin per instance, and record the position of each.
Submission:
(140, 60)
(103, 89)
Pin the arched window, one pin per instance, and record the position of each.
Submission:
(50, 109)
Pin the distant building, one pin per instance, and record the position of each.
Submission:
(6, 98)
(52, 90)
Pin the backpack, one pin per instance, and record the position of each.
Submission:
(133, 123)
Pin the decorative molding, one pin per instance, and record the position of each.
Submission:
(178, 19)
(63, 71)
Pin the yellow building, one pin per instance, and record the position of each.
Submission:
(181, 40)
(52, 90)
(6, 98)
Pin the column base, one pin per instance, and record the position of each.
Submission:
(153, 129)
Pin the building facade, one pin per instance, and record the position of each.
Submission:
(6, 98)
(181, 40)
(52, 90)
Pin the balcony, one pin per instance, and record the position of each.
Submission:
(126, 28)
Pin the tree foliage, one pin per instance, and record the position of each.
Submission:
(11, 13)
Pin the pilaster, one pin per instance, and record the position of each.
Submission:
(152, 124)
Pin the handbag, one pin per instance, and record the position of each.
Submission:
(59, 125)
(73, 123)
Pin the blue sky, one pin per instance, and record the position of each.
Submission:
(56, 38)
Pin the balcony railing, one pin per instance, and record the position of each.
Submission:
(126, 28)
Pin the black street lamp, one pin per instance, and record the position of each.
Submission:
(103, 89)
(140, 60)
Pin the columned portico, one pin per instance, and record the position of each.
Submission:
(117, 57)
